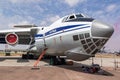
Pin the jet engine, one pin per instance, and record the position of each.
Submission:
(11, 38)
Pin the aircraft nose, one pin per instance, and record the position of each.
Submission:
(101, 29)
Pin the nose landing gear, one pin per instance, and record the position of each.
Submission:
(54, 60)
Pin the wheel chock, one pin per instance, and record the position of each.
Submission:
(35, 68)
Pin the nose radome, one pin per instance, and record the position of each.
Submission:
(101, 29)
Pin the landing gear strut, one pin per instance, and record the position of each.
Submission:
(56, 60)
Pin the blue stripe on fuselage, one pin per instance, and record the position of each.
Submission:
(39, 35)
(64, 29)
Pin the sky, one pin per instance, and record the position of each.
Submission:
(45, 12)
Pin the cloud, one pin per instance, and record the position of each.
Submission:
(72, 3)
(111, 7)
(100, 12)
(50, 20)
(54, 18)
(8, 22)
(11, 25)
(24, 1)
(43, 23)
(11, 14)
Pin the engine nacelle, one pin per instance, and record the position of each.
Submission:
(11, 38)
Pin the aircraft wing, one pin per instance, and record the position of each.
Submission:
(25, 35)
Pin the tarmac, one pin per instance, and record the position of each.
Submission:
(15, 68)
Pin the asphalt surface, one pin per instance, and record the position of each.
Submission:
(15, 68)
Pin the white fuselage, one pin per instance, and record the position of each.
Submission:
(58, 37)
(76, 36)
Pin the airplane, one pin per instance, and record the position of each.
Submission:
(76, 36)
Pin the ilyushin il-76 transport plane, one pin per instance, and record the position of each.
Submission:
(75, 36)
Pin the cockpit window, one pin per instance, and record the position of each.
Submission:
(79, 15)
(72, 17)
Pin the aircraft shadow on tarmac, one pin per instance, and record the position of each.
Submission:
(79, 69)
(6, 58)
(2, 59)
(20, 60)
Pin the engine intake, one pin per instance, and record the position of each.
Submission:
(11, 38)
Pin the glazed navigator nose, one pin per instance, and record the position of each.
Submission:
(101, 29)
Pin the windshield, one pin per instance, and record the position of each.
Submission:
(77, 17)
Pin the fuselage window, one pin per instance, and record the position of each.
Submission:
(93, 47)
(88, 50)
(85, 46)
(42, 28)
(88, 40)
(75, 37)
(95, 40)
(90, 44)
(83, 41)
(98, 43)
(87, 35)
(81, 36)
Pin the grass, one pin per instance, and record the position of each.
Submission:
(11, 53)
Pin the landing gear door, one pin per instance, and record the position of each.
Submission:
(40, 42)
